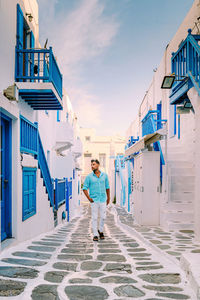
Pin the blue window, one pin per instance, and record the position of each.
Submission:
(28, 193)
(74, 174)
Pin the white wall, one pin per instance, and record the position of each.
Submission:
(8, 14)
(155, 94)
(60, 167)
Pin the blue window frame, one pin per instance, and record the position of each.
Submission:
(29, 193)
(6, 177)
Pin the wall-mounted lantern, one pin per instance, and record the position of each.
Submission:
(30, 17)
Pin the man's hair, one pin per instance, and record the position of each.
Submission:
(96, 161)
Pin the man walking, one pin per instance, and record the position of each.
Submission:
(98, 185)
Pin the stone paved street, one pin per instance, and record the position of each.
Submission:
(173, 243)
(66, 264)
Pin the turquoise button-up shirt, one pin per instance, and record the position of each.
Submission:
(97, 186)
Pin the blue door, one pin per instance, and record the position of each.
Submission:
(5, 149)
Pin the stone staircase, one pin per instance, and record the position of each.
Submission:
(178, 211)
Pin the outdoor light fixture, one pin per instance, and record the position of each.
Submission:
(168, 81)
(187, 104)
(30, 17)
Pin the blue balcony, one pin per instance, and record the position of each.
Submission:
(186, 67)
(38, 78)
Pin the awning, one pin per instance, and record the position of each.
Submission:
(60, 147)
(143, 143)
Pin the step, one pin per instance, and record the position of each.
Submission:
(176, 155)
(178, 205)
(180, 163)
(175, 225)
(182, 196)
(183, 178)
(182, 171)
(182, 185)
(190, 262)
(177, 215)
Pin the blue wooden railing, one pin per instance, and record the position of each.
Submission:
(43, 165)
(30, 142)
(70, 188)
(150, 124)
(132, 141)
(68, 195)
(38, 65)
(186, 62)
(28, 136)
(60, 192)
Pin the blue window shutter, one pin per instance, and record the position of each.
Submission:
(29, 193)
(19, 42)
(20, 27)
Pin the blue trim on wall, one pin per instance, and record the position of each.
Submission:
(179, 127)
(175, 120)
(129, 183)
(8, 170)
(58, 115)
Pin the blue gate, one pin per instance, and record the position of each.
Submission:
(5, 175)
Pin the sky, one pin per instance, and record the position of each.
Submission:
(106, 51)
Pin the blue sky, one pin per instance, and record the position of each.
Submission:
(107, 50)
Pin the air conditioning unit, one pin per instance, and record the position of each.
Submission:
(11, 93)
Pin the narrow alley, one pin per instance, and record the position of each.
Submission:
(67, 264)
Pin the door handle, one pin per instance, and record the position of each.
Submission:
(5, 183)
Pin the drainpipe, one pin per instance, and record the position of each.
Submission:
(195, 100)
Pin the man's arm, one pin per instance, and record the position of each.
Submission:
(108, 196)
(107, 189)
(87, 195)
(85, 189)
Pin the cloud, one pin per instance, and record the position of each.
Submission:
(77, 36)
(87, 107)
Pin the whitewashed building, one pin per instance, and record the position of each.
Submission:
(160, 172)
(103, 148)
(40, 144)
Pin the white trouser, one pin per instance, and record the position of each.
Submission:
(95, 207)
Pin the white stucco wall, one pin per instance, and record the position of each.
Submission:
(60, 166)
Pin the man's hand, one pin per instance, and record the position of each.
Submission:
(91, 200)
(87, 195)
(108, 201)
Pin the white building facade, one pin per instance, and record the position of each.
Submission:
(40, 144)
(167, 124)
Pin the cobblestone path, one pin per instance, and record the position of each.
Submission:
(67, 264)
(173, 242)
